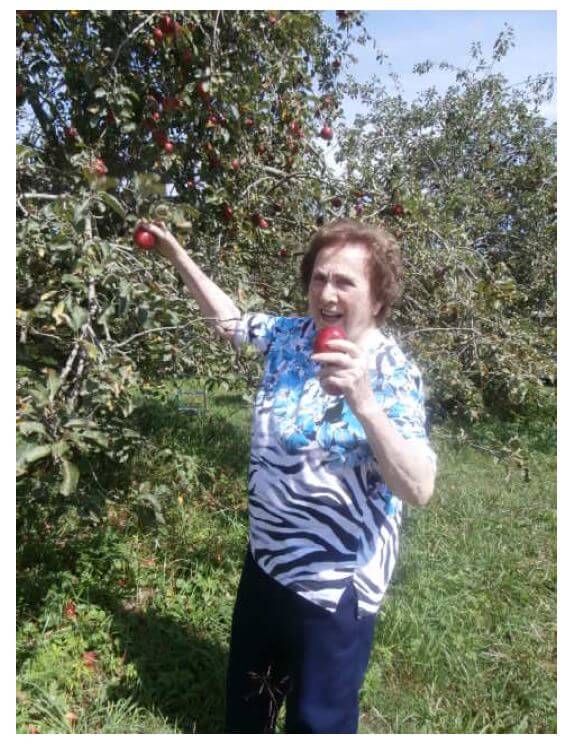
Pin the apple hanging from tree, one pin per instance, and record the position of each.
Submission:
(327, 133)
(98, 167)
(202, 89)
(167, 25)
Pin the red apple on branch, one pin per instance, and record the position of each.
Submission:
(98, 167)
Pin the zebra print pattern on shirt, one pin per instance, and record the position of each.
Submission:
(320, 514)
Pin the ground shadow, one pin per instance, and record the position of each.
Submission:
(179, 672)
(206, 435)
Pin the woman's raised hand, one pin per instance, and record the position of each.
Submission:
(165, 243)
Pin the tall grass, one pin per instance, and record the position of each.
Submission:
(149, 556)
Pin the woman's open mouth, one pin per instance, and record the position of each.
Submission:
(331, 318)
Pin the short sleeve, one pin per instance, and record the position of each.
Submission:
(401, 393)
(257, 329)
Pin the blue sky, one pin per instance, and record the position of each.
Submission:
(408, 37)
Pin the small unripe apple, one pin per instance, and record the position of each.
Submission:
(144, 239)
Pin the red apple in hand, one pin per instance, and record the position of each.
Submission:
(144, 239)
(323, 337)
(321, 344)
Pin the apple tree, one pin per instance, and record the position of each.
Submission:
(214, 121)
(466, 180)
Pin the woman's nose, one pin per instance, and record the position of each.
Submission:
(328, 292)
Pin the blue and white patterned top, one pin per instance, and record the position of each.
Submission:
(320, 513)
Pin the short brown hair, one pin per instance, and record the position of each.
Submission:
(384, 262)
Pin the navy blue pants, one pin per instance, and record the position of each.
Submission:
(286, 648)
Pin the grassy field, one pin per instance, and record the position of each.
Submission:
(125, 595)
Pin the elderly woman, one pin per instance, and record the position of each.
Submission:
(338, 443)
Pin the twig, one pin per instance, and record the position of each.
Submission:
(43, 196)
(441, 328)
(131, 35)
(205, 319)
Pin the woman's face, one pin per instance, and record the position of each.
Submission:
(339, 291)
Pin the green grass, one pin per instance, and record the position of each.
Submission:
(466, 638)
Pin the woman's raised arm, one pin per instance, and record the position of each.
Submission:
(217, 308)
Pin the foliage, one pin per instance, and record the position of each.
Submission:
(211, 120)
(207, 119)
(466, 638)
(467, 181)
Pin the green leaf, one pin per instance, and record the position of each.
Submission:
(30, 454)
(80, 211)
(59, 449)
(53, 380)
(97, 436)
(113, 203)
(78, 317)
(28, 427)
(70, 478)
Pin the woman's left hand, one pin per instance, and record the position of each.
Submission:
(345, 371)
